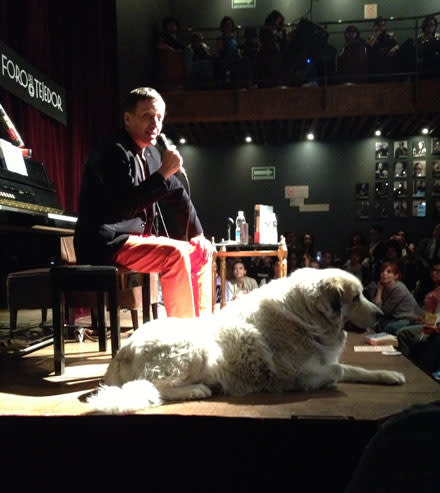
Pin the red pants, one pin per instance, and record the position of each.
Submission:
(185, 275)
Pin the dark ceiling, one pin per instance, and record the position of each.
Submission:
(280, 132)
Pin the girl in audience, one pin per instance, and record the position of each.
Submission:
(393, 297)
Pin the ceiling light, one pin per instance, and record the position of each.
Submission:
(182, 140)
(377, 133)
(425, 131)
(248, 139)
(310, 136)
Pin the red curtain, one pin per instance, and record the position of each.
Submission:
(74, 44)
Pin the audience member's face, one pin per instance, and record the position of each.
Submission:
(239, 271)
(350, 35)
(307, 240)
(388, 276)
(435, 274)
(144, 124)
(430, 27)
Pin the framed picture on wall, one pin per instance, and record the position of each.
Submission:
(382, 209)
(400, 189)
(419, 188)
(382, 169)
(362, 190)
(400, 169)
(436, 187)
(419, 168)
(419, 148)
(436, 169)
(418, 208)
(400, 208)
(382, 189)
(436, 146)
(400, 149)
(363, 209)
(381, 149)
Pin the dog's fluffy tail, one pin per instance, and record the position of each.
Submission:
(132, 396)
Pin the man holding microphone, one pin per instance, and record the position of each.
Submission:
(124, 180)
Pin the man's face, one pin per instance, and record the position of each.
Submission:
(144, 124)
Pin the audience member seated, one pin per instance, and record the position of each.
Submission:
(306, 251)
(397, 303)
(376, 254)
(352, 61)
(355, 267)
(428, 47)
(421, 342)
(327, 261)
(228, 57)
(275, 22)
(199, 63)
(241, 284)
(262, 269)
(292, 261)
(268, 61)
(290, 237)
(357, 241)
(408, 259)
(171, 63)
(427, 253)
(168, 38)
(382, 45)
(249, 50)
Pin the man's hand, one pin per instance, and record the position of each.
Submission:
(205, 246)
(171, 162)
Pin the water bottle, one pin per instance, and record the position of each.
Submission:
(238, 222)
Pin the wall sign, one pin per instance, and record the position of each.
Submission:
(244, 4)
(263, 173)
(29, 84)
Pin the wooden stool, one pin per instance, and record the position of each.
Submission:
(101, 279)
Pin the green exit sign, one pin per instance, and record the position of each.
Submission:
(243, 4)
(263, 173)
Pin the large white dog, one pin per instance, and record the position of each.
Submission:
(285, 336)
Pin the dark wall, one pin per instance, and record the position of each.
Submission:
(221, 185)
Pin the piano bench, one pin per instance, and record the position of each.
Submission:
(30, 289)
(101, 279)
(88, 285)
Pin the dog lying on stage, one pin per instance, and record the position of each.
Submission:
(285, 336)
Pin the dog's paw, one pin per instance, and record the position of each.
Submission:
(389, 377)
(200, 391)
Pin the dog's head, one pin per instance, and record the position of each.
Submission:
(328, 298)
(343, 295)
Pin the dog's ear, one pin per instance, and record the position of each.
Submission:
(334, 292)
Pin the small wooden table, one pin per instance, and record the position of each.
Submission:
(237, 250)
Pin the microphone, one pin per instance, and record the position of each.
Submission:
(167, 145)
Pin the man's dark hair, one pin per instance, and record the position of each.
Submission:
(140, 94)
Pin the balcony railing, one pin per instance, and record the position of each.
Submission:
(302, 54)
